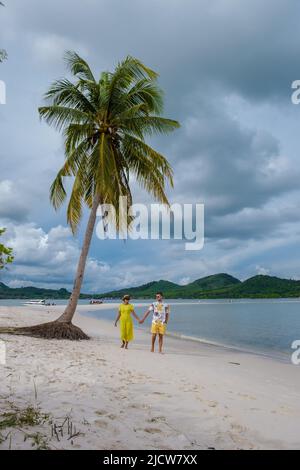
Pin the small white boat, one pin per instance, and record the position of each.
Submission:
(35, 302)
(94, 302)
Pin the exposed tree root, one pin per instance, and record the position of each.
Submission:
(50, 330)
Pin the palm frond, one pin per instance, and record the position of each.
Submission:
(78, 66)
(136, 149)
(74, 210)
(60, 116)
(148, 125)
(57, 190)
(65, 93)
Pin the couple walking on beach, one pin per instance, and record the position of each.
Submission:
(160, 317)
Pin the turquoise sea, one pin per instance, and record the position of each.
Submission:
(262, 326)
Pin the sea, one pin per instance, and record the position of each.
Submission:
(262, 326)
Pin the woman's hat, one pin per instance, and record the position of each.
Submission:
(126, 297)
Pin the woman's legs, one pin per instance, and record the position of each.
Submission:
(123, 344)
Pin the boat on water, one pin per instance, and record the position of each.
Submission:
(35, 302)
(95, 302)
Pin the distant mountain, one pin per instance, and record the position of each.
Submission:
(146, 290)
(216, 281)
(217, 286)
(172, 290)
(35, 293)
(210, 287)
(266, 286)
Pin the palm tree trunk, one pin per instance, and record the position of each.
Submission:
(69, 312)
(63, 328)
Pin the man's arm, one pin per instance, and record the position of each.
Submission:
(135, 316)
(145, 316)
(167, 313)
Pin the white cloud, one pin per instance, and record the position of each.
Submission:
(49, 258)
(51, 47)
(262, 270)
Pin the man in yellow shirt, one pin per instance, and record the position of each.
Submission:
(160, 317)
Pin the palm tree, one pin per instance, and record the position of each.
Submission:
(104, 124)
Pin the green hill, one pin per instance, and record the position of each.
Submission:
(216, 281)
(35, 293)
(146, 290)
(266, 286)
(31, 293)
(210, 287)
(217, 286)
(172, 290)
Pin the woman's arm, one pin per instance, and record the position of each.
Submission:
(135, 316)
(118, 318)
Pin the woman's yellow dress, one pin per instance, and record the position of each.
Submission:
(126, 322)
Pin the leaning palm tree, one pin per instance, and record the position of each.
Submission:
(104, 124)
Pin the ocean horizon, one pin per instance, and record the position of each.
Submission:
(261, 326)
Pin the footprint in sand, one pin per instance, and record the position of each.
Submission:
(100, 424)
(212, 404)
(238, 428)
(156, 419)
(153, 431)
(248, 397)
(162, 394)
(139, 407)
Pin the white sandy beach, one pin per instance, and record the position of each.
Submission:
(195, 396)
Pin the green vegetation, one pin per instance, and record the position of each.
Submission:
(221, 286)
(6, 255)
(15, 417)
(32, 293)
(22, 420)
(39, 429)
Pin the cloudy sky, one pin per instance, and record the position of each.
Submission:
(226, 67)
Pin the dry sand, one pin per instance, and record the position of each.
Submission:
(195, 396)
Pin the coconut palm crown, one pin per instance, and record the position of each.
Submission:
(105, 123)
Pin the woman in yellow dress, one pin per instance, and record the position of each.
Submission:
(126, 322)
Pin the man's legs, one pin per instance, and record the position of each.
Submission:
(160, 342)
(153, 342)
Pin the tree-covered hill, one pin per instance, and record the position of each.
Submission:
(216, 286)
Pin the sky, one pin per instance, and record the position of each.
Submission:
(226, 68)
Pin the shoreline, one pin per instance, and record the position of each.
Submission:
(195, 396)
(279, 356)
(276, 355)
(171, 301)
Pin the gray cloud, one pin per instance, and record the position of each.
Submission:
(12, 206)
(246, 173)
